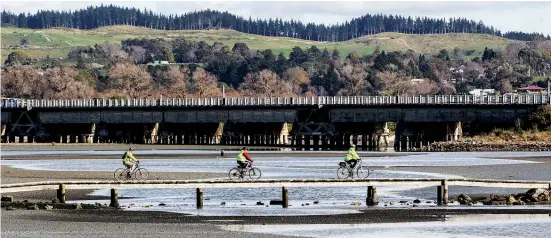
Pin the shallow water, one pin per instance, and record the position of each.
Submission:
(244, 201)
(493, 225)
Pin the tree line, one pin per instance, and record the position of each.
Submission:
(99, 16)
(200, 69)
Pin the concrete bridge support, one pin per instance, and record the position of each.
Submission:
(414, 135)
(283, 138)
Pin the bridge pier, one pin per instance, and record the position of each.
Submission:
(454, 131)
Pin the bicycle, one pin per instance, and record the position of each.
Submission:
(138, 173)
(344, 171)
(238, 173)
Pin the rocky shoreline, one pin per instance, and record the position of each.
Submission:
(534, 196)
(482, 146)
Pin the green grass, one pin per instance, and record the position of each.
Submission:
(58, 41)
(539, 78)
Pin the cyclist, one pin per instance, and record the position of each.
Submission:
(243, 158)
(129, 161)
(352, 157)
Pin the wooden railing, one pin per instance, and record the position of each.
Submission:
(531, 99)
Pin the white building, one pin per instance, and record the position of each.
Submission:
(479, 92)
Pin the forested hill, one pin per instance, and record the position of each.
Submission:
(94, 17)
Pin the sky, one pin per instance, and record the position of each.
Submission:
(524, 16)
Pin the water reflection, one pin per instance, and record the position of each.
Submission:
(491, 225)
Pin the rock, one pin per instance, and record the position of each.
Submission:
(307, 204)
(223, 203)
(162, 204)
(495, 197)
(415, 205)
(511, 200)
(316, 202)
(416, 201)
(403, 201)
(48, 207)
(538, 194)
(6, 199)
(495, 202)
(464, 199)
(260, 203)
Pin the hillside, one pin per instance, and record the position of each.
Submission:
(57, 42)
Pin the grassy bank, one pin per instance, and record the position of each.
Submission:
(56, 42)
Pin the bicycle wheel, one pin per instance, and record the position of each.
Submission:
(120, 174)
(343, 173)
(235, 174)
(141, 174)
(362, 172)
(255, 173)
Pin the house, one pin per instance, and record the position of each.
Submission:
(532, 89)
(482, 92)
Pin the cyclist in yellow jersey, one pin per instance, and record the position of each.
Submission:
(129, 160)
(352, 157)
(243, 158)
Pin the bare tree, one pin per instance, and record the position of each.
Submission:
(177, 81)
(512, 50)
(427, 87)
(446, 88)
(130, 79)
(353, 79)
(61, 84)
(393, 83)
(264, 83)
(111, 50)
(204, 84)
(137, 53)
(24, 82)
(297, 78)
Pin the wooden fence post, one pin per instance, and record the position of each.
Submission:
(114, 198)
(445, 192)
(371, 195)
(199, 198)
(61, 193)
(285, 197)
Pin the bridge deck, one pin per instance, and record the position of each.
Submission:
(102, 184)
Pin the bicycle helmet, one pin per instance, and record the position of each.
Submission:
(130, 149)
